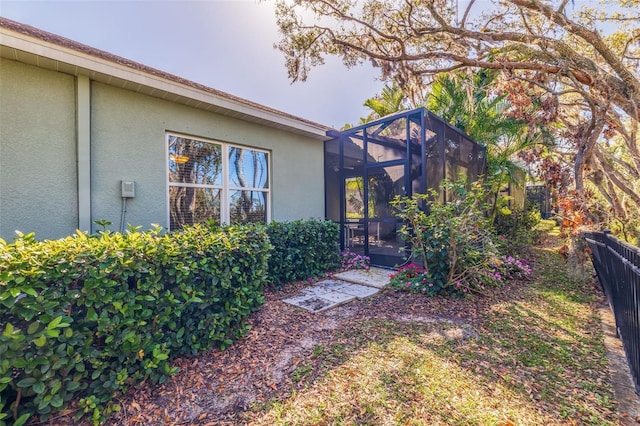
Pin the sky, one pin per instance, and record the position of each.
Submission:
(223, 44)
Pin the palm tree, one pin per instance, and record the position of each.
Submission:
(391, 100)
(469, 102)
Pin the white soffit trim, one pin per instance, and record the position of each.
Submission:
(104, 70)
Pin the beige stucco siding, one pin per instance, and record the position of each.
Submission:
(298, 178)
(128, 143)
(38, 185)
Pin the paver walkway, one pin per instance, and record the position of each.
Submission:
(342, 288)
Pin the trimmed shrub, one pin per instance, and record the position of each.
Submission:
(302, 249)
(87, 316)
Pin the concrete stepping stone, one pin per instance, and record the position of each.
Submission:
(374, 277)
(331, 284)
(310, 303)
(348, 286)
(359, 291)
(326, 293)
(317, 299)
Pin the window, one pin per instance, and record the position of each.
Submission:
(248, 185)
(216, 182)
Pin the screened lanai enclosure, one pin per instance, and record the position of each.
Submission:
(403, 154)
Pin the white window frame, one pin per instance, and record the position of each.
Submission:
(225, 188)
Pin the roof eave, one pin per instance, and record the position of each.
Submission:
(35, 51)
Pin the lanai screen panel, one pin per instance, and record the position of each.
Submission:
(481, 162)
(433, 165)
(454, 167)
(332, 175)
(353, 158)
(417, 131)
(353, 152)
(387, 141)
(403, 154)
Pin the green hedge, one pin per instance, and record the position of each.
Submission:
(302, 249)
(88, 316)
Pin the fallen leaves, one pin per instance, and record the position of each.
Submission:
(234, 386)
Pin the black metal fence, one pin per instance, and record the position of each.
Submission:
(618, 267)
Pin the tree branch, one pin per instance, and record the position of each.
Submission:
(612, 175)
(589, 36)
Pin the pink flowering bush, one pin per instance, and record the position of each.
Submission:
(497, 273)
(456, 241)
(416, 279)
(513, 268)
(351, 260)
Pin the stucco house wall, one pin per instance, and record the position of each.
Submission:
(38, 186)
(75, 122)
(128, 136)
